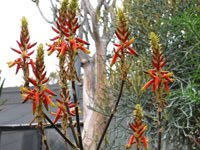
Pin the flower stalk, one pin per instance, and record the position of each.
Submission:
(123, 48)
(160, 80)
(66, 43)
(23, 61)
(40, 95)
(61, 47)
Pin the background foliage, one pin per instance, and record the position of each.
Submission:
(177, 22)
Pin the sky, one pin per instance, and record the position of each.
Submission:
(11, 12)
(40, 31)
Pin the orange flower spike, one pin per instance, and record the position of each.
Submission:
(147, 85)
(49, 100)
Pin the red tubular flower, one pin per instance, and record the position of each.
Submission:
(148, 84)
(130, 142)
(52, 49)
(29, 46)
(74, 46)
(144, 142)
(47, 98)
(84, 49)
(82, 41)
(50, 92)
(57, 116)
(62, 112)
(54, 29)
(17, 51)
(113, 60)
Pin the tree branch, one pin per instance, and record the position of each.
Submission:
(87, 25)
(41, 13)
(89, 7)
(99, 5)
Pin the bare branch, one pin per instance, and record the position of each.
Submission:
(51, 22)
(110, 8)
(89, 7)
(99, 5)
(87, 25)
(54, 10)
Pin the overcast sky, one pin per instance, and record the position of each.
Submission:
(11, 13)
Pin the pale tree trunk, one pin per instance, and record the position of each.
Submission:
(94, 74)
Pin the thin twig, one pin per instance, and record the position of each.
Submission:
(41, 13)
(111, 115)
(77, 116)
(61, 134)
